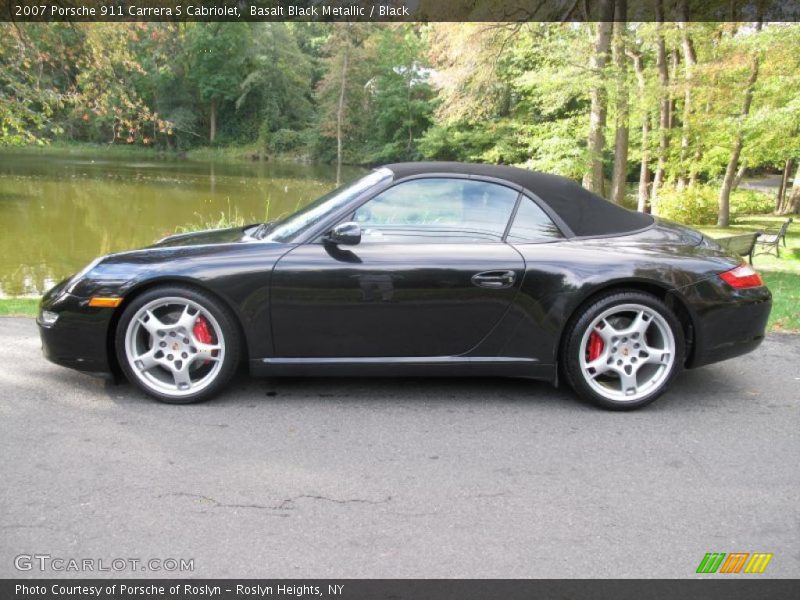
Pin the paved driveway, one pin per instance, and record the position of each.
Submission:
(400, 477)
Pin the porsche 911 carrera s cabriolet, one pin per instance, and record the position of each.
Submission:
(444, 269)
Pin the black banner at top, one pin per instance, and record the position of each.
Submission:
(398, 10)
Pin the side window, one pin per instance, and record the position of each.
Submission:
(438, 210)
(532, 225)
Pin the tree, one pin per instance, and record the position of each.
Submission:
(102, 96)
(793, 206)
(401, 97)
(780, 200)
(279, 80)
(643, 193)
(621, 119)
(341, 92)
(28, 98)
(593, 180)
(733, 163)
(216, 54)
(689, 63)
(541, 95)
(664, 107)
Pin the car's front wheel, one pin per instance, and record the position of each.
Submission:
(177, 344)
(623, 350)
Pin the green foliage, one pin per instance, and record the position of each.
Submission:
(751, 202)
(286, 141)
(698, 205)
(215, 53)
(510, 93)
(496, 142)
(279, 80)
(401, 103)
(379, 80)
(26, 105)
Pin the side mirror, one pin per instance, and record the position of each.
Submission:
(345, 234)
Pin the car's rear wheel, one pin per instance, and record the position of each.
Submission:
(177, 344)
(623, 350)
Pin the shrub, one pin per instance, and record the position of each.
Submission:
(699, 205)
(751, 202)
(285, 140)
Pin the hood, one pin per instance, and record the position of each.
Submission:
(207, 237)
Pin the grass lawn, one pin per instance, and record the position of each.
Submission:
(782, 275)
(87, 148)
(234, 153)
(18, 307)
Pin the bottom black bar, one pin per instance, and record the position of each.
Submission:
(731, 588)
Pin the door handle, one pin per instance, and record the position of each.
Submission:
(494, 279)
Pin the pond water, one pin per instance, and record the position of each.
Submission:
(59, 211)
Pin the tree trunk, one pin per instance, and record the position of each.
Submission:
(620, 174)
(793, 206)
(674, 60)
(664, 108)
(644, 171)
(212, 126)
(410, 143)
(693, 169)
(781, 199)
(733, 163)
(689, 62)
(340, 117)
(739, 174)
(597, 117)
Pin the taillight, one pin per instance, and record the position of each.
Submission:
(743, 276)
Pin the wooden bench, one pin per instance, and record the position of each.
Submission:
(770, 239)
(743, 244)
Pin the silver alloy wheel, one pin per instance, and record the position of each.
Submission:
(164, 352)
(637, 355)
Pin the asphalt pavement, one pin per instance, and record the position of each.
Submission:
(438, 478)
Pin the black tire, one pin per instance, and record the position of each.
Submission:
(227, 326)
(573, 347)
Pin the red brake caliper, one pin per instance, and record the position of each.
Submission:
(595, 346)
(201, 332)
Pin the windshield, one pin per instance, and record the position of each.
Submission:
(285, 229)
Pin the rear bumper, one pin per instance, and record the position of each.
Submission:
(79, 338)
(727, 322)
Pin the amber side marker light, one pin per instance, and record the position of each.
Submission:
(741, 277)
(101, 302)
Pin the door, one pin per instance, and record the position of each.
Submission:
(430, 277)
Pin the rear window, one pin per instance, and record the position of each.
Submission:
(532, 225)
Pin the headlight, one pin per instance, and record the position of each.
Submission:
(78, 276)
(48, 317)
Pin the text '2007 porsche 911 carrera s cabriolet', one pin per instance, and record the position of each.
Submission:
(418, 269)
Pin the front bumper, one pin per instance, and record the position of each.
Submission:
(728, 322)
(79, 338)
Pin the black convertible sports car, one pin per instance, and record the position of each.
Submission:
(418, 269)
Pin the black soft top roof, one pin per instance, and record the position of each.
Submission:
(582, 211)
